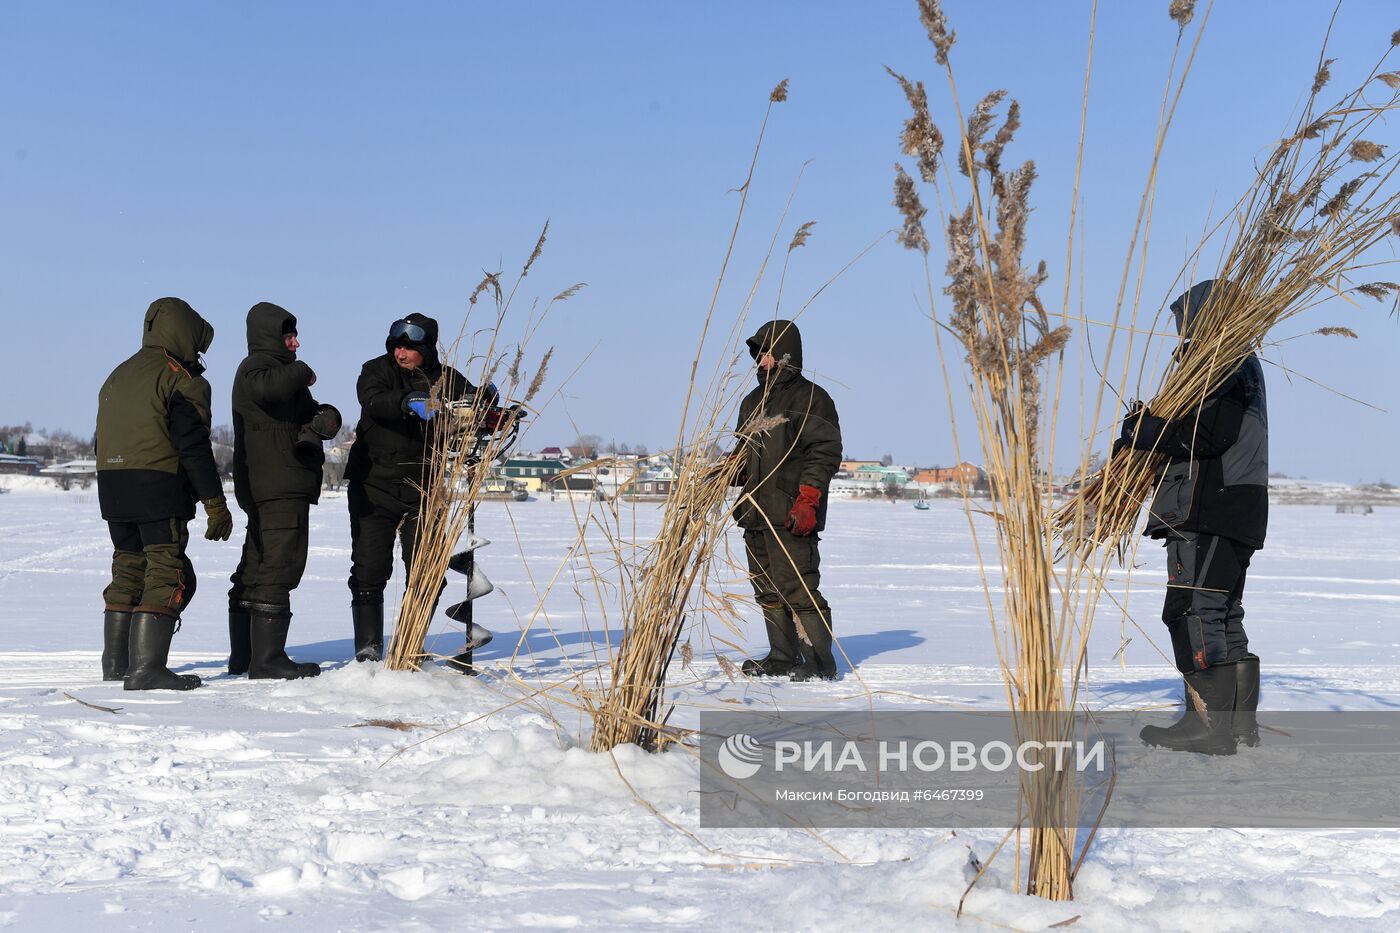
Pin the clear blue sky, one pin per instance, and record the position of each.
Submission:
(357, 161)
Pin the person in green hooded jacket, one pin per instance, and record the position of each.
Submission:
(277, 458)
(154, 462)
(792, 450)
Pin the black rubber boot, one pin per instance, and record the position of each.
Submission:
(1213, 735)
(818, 663)
(239, 644)
(781, 659)
(150, 651)
(268, 659)
(1246, 723)
(116, 634)
(369, 631)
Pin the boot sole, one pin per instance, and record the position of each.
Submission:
(1198, 748)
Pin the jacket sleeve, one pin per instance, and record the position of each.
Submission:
(455, 386)
(380, 398)
(188, 418)
(818, 440)
(1211, 429)
(270, 382)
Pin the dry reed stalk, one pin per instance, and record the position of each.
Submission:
(1304, 231)
(670, 583)
(1011, 344)
(463, 443)
(656, 589)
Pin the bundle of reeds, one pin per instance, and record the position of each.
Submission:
(1304, 232)
(464, 440)
(655, 611)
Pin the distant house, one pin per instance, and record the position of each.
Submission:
(553, 453)
(941, 476)
(876, 475)
(534, 472)
(849, 467)
(649, 487)
(574, 487)
(26, 466)
(80, 472)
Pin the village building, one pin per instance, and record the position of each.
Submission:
(963, 473)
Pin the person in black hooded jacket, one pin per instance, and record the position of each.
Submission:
(277, 458)
(792, 450)
(1211, 511)
(385, 468)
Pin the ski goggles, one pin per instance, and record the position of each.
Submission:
(407, 331)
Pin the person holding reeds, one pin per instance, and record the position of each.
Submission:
(277, 458)
(400, 393)
(1211, 510)
(792, 449)
(154, 462)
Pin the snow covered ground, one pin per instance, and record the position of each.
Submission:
(274, 804)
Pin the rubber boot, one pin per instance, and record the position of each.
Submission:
(116, 634)
(268, 659)
(369, 631)
(1215, 734)
(1246, 723)
(818, 663)
(782, 646)
(150, 652)
(239, 644)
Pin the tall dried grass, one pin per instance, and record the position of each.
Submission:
(662, 579)
(1304, 232)
(1009, 342)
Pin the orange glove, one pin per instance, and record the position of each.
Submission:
(802, 518)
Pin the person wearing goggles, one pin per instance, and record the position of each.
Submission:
(386, 465)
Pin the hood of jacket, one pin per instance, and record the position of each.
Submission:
(268, 326)
(1189, 308)
(173, 326)
(427, 346)
(784, 341)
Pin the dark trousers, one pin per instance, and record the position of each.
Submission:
(1203, 610)
(274, 555)
(376, 518)
(785, 570)
(150, 570)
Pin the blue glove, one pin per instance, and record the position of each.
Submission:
(416, 403)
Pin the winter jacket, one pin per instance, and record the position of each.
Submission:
(795, 436)
(271, 403)
(390, 442)
(154, 460)
(1216, 480)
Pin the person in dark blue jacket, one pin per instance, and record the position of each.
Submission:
(1211, 510)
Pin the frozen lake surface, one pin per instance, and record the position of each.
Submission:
(266, 803)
